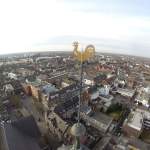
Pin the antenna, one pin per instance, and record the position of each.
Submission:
(78, 129)
(80, 88)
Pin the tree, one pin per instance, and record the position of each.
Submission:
(114, 108)
(15, 100)
(1, 106)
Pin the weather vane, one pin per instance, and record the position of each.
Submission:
(83, 55)
(78, 129)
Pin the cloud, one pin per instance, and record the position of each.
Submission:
(44, 25)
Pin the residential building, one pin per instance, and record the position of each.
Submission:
(98, 120)
(129, 93)
(136, 121)
(12, 76)
(143, 97)
(9, 89)
(104, 91)
(88, 81)
(24, 72)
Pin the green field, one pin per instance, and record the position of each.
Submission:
(145, 136)
(116, 115)
(115, 111)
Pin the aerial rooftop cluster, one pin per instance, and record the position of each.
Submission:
(39, 95)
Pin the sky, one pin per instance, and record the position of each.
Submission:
(116, 26)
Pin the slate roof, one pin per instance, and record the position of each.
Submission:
(64, 107)
(21, 135)
(49, 88)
